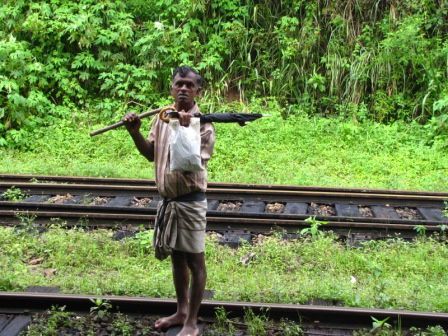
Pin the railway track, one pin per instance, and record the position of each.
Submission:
(231, 207)
(313, 320)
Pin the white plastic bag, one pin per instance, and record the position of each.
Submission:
(185, 146)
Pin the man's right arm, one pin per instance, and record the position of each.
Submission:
(132, 123)
(145, 147)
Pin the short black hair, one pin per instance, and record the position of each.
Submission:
(183, 71)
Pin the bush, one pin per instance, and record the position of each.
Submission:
(390, 59)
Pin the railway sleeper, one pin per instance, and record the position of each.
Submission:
(13, 324)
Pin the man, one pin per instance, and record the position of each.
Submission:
(180, 225)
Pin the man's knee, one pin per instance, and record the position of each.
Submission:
(179, 258)
(196, 263)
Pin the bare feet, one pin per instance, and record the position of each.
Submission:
(170, 321)
(189, 330)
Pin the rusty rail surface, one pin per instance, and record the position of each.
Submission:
(11, 178)
(311, 314)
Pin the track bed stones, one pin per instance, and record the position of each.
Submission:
(68, 198)
(91, 200)
(60, 199)
(408, 213)
(275, 207)
(100, 200)
(365, 211)
(321, 209)
(141, 202)
(230, 206)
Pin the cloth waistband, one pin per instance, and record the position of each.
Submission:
(190, 197)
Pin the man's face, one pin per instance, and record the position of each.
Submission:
(185, 89)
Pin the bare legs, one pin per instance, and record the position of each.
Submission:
(187, 307)
(181, 281)
(196, 264)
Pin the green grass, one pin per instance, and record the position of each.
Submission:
(388, 274)
(299, 151)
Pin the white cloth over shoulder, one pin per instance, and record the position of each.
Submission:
(185, 146)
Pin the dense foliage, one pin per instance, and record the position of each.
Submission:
(380, 60)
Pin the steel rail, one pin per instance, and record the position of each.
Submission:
(218, 224)
(231, 193)
(304, 313)
(80, 211)
(253, 215)
(23, 178)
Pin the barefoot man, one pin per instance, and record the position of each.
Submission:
(180, 224)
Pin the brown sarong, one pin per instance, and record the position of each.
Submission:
(180, 225)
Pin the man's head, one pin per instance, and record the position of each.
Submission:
(186, 85)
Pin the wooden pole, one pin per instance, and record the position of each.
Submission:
(121, 123)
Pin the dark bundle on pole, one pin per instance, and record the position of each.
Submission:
(240, 118)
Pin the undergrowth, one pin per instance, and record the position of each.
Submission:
(382, 274)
